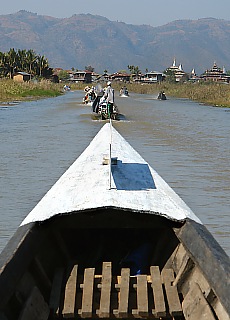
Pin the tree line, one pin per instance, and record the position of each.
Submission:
(23, 61)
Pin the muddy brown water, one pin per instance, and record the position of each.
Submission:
(186, 143)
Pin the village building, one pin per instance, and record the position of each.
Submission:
(173, 67)
(102, 78)
(120, 76)
(81, 76)
(54, 78)
(215, 74)
(152, 77)
(193, 77)
(57, 70)
(95, 76)
(177, 71)
(21, 76)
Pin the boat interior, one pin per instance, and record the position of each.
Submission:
(107, 263)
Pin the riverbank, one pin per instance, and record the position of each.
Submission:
(20, 91)
(11, 91)
(213, 94)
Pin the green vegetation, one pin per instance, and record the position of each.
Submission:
(134, 70)
(23, 60)
(11, 90)
(63, 75)
(214, 94)
(18, 91)
(37, 66)
(210, 93)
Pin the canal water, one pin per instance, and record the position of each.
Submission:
(186, 143)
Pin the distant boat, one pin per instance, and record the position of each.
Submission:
(110, 240)
(124, 95)
(161, 96)
(66, 88)
(124, 92)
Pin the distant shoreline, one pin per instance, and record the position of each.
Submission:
(213, 94)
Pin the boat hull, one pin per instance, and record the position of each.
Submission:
(88, 104)
(112, 239)
(161, 96)
(102, 116)
(42, 255)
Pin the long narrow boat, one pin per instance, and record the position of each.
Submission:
(103, 113)
(111, 239)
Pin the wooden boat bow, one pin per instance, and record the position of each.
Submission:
(112, 240)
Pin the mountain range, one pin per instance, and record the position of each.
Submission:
(84, 39)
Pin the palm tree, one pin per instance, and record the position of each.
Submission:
(3, 62)
(31, 58)
(22, 59)
(42, 63)
(12, 61)
(134, 70)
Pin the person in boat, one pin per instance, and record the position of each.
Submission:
(86, 89)
(162, 96)
(97, 100)
(92, 94)
(86, 97)
(109, 96)
(125, 90)
(66, 88)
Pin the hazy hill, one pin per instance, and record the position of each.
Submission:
(94, 40)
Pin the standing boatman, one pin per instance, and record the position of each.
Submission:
(109, 96)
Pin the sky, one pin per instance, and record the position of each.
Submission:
(149, 12)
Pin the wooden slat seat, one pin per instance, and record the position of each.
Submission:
(159, 302)
(87, 295)
(142, 297)
(121, 296)
(70, 294)
(104, 310)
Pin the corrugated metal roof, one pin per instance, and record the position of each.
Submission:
(22, 73)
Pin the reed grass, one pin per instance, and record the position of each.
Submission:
(215, 94)
(11, 90)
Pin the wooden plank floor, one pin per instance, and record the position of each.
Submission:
(107, 296)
